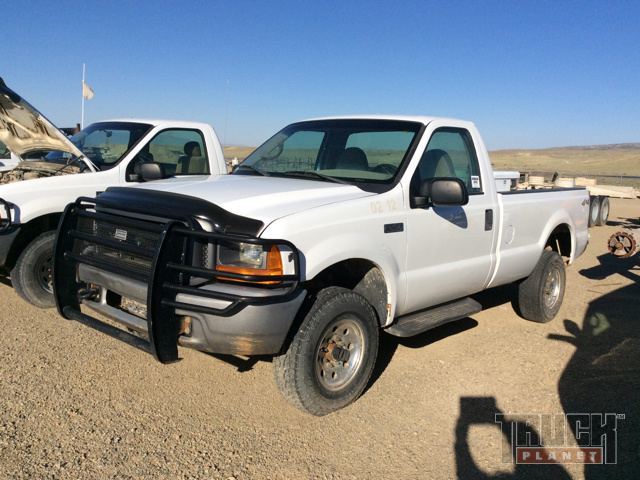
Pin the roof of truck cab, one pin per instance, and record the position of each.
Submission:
(157, 122)
(424, 119)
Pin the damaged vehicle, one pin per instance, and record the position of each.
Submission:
(55, 169)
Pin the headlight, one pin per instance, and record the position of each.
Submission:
(249, 259)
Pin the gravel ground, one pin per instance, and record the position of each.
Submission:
(75, 403)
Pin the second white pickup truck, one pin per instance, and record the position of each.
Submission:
(59, 169)
(331, 231)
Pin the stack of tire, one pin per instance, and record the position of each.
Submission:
(598, 210)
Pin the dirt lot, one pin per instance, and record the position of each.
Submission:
(75, 403)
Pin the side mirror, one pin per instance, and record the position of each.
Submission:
(448, 191)
(441, 192)
(151, 171)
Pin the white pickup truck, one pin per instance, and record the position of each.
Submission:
(331, 231)
(118, 152)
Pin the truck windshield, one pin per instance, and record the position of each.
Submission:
(103, 143)
(345, 151)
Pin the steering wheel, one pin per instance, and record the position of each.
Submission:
(385, 168)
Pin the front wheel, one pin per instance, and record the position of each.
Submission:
(32, 276)
(331, 357)
(540, 294)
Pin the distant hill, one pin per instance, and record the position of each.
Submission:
(610, 146)
(614, 159)
(237, 151)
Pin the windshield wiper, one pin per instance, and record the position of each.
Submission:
(252, 169)
(314, 174)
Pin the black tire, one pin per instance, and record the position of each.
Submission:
(32, 276)
(603, 211)
(594, 210)
(540, 294)
(305, 372)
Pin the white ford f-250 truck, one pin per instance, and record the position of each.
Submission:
(331, 231)
(116, 152)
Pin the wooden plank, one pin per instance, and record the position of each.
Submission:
(614, 191)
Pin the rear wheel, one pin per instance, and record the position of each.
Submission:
(603, 214)
(32, 276)
(540, 294)
(331, 357)
(594, 210)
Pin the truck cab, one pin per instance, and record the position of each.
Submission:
(56, 169)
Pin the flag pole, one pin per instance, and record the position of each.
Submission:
(82, 116)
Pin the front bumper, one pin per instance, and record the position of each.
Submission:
(185, 304)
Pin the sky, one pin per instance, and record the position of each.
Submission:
(528, 74)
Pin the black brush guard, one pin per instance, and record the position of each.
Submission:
(169, 275)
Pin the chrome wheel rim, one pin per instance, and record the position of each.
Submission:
(552, 288)
(339, 353)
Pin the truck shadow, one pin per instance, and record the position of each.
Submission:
(603, 375)
(630, 223)
(242, 364)
(609, 265)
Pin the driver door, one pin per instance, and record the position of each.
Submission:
(449, 247)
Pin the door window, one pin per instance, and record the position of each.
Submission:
(450, 153)
(179, 151)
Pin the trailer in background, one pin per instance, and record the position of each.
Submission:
(598, 194)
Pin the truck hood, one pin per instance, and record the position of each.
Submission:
(24, 129)
(261, 198)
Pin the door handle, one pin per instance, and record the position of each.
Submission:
(488, 219)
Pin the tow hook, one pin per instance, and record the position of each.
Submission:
(90, 293)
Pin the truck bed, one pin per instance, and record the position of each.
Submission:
(527, 219)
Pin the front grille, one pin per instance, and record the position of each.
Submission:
(123, 243)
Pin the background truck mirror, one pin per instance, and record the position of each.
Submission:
(151, 171)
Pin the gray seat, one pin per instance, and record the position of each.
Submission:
(436, 163)
(353, 158)
(192, 160)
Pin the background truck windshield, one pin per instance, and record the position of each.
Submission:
(104, 143)
(346, 150)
